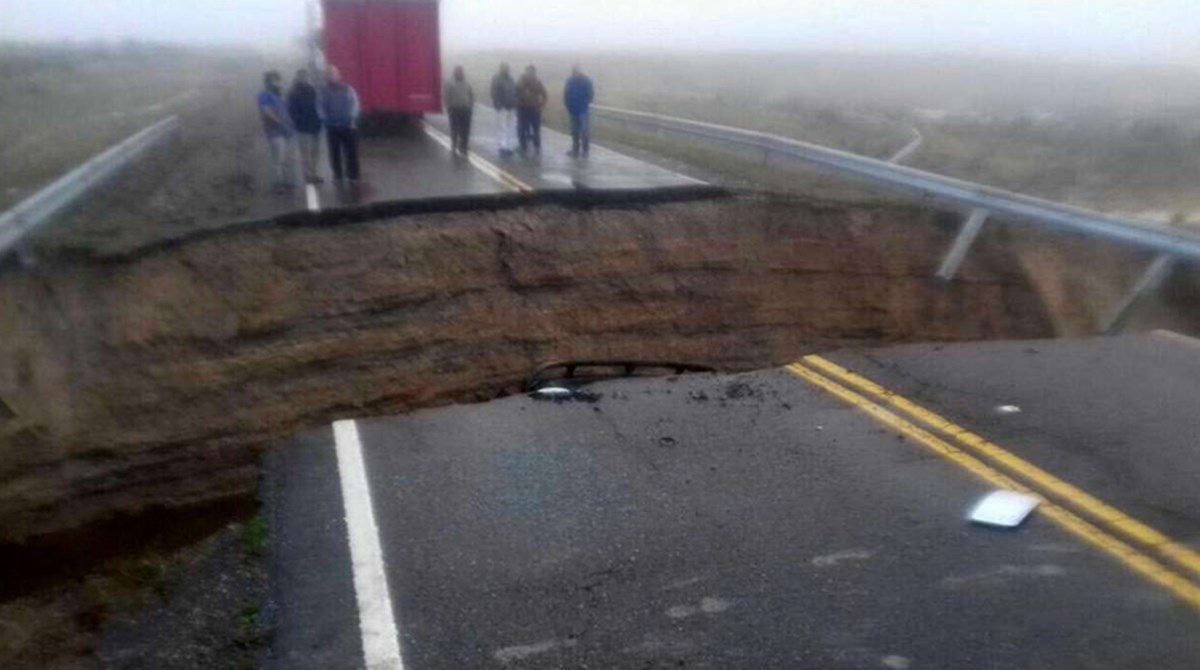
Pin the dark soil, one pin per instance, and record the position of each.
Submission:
(198, 608)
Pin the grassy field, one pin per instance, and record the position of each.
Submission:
(1116, 137)
(60, 106)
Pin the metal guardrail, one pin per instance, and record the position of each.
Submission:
(68, 189)
(977, 201)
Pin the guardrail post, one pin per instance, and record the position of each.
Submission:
(962, 244)
(1150, 280)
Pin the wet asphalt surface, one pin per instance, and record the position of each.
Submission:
(748, 521)
(1119, 417)
(407, 164)
(553, 169)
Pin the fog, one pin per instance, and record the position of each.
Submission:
(1093, 30)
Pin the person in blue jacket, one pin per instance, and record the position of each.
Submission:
(577, 96)
(277, 127)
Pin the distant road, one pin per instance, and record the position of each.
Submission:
(909, 149)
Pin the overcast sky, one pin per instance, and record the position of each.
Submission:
(1120, 30)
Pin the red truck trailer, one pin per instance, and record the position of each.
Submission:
(389, 50)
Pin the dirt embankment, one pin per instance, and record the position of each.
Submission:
(1082, 281)
(152, 381)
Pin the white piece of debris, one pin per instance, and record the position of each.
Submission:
(1008, 409)
(554, 391)
(1004, 509)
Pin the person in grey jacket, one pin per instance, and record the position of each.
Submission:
(504, 100)
(340, 110)
(459, 98)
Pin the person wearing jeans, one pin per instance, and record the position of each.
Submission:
(278, 130)
(306, 119)
(577, 96)
(459, 98)
(340, 109)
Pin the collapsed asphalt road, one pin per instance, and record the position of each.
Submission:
(751, 521)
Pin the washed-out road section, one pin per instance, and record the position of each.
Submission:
(748, 521)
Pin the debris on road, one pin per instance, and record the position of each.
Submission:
(1004, 509)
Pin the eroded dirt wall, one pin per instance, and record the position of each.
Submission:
(153, 380)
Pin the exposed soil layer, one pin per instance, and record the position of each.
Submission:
(152, 380)
(1083, 280)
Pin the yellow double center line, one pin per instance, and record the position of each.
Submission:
(488, 168)
(970, 452)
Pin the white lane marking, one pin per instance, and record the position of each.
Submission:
(380, 641)
(313, 198)
(480, 164)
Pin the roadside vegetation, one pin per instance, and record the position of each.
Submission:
(60, 105)
(198, 608)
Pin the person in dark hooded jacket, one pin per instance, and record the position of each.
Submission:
(504, 100)
(302, 102)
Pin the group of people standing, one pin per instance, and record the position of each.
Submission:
(299, 117)
(519, 104)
